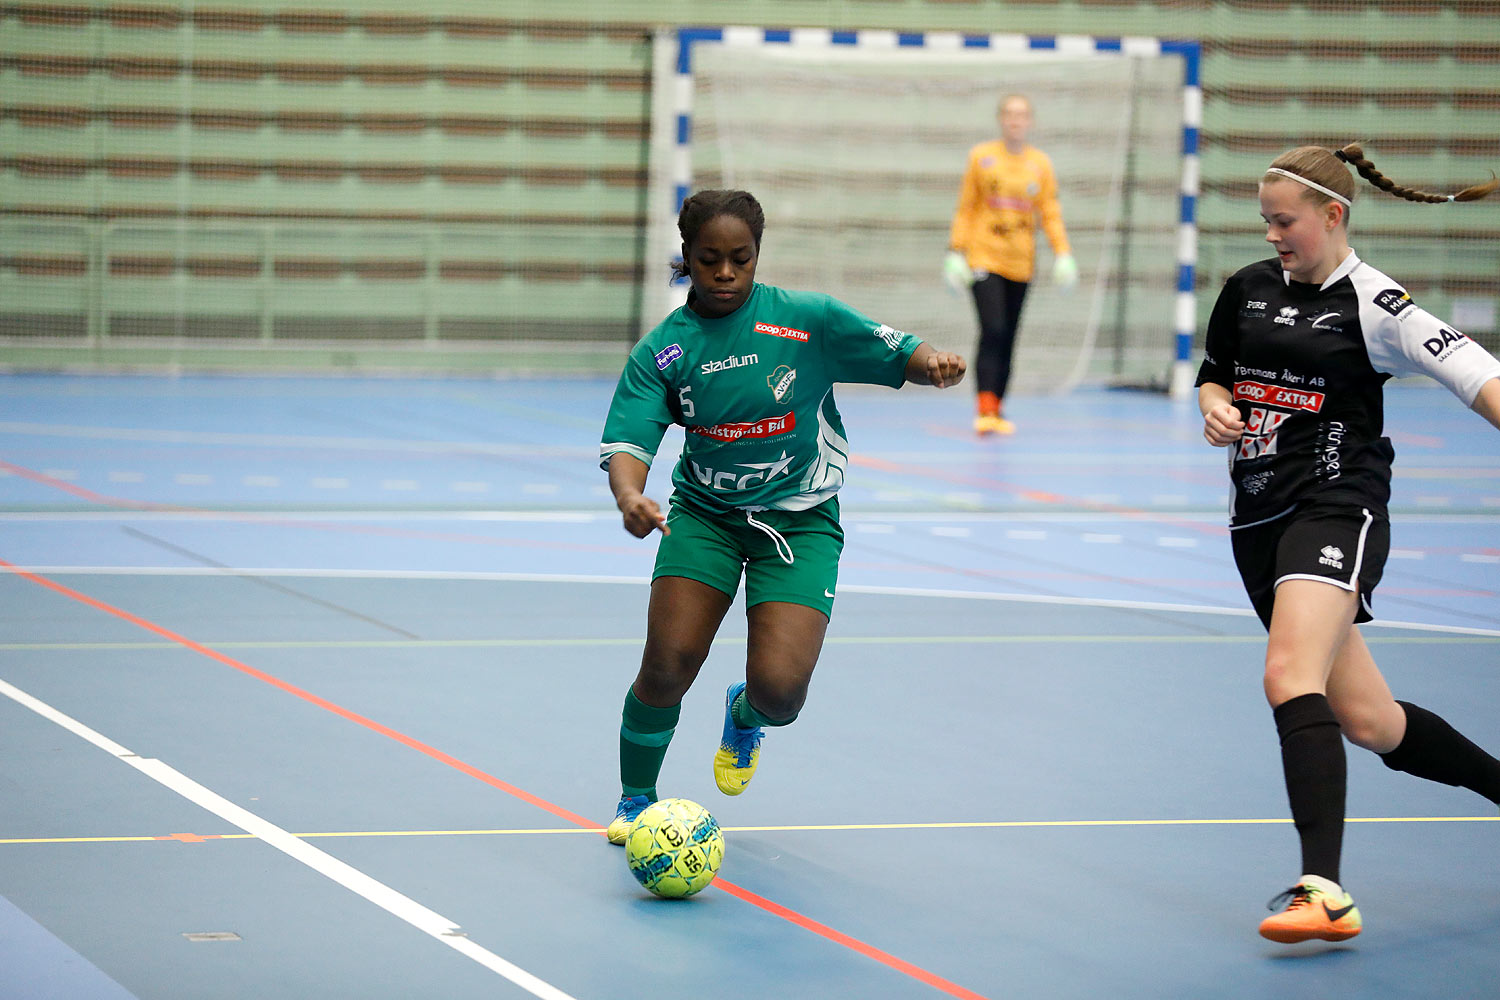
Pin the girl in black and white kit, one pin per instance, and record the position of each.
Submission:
(1298, 350)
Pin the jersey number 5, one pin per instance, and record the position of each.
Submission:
(687, 404)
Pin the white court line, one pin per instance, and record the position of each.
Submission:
(332, 516)
(382, 895)
(847, 588)
(1214, 518)
(293, 440)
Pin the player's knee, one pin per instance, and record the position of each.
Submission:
(1370, 726)
(1287, 678)
(668, 670)
(778, 700)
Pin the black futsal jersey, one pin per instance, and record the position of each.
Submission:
(1306, 366)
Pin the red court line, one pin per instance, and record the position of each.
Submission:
(81, 493)
(773, 908)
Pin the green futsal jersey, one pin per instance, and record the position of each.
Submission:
(754, 391)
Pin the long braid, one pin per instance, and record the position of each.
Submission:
(1354, 155)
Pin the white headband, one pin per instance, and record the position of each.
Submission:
(1312, 184)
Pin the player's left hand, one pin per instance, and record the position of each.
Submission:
(1065, 271)
(945, 369)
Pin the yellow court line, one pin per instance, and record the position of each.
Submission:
(800, 828)
(858, 640)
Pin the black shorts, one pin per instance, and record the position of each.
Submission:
(1342, 545)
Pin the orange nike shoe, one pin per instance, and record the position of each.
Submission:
(985, 425)
(1316, 908)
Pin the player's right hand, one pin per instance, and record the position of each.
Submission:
(642, 515)
(1222, 425)
(957, 272)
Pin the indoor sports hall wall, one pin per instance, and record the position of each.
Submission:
(460, 186)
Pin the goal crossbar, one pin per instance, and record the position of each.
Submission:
(673, 114)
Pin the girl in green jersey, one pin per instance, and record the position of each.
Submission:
(748, 370)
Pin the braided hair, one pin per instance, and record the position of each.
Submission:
(698, 209)
(1354, 155)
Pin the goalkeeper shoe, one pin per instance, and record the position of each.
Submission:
(985, 425)
(629, 808)
(739, 749)
(1316, 908)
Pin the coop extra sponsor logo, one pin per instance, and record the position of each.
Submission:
(750, 429)
(1275, 395)
(668, 355)
(783, 331)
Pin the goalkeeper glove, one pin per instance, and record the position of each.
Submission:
(956, 272)
(1065, 271)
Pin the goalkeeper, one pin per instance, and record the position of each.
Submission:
(1008, 186)
(748, 369)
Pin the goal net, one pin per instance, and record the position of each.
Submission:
(856, 152)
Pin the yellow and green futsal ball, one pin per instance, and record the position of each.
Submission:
(674, 848)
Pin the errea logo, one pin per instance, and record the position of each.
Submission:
(1332, 556)
(890, 335)
(1288, 315)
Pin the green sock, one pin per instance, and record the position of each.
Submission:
(747, 716)
(645, 732)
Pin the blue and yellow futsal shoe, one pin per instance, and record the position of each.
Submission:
(739, 749)
(629, 808)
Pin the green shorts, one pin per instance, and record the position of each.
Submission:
(715, 548)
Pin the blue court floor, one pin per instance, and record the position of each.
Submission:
(357, 648)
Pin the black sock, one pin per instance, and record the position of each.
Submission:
(1312, 757)
(1434, 750)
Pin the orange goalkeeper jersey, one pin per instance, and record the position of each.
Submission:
(1002, 197)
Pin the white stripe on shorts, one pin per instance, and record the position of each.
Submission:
(1359, 560)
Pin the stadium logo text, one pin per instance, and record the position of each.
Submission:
(731, 362)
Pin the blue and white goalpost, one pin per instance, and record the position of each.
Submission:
(855, 142)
